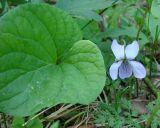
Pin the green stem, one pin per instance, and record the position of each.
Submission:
(137, 88)
(151, 86)
(150, 69)
(100, 13)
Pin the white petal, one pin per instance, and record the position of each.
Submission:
(113, 71)
(125, 70)
(117, 49)
(139, 70)
(132, 50)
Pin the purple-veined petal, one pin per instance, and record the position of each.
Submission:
(113, 71)
(139, 70)
(118, 50)
(125, 70)
(132, 50)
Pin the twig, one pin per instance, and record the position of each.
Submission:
(62, 114)
(48, 125)
(80, 123)
(105, 96)
(59, 111)
(74, 117)
(35, 116)
(100, 98)
(53, 114)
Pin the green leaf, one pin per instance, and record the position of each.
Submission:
(18, 123)
(153, 23)
(55, 125)
(36, 123)
(41, 62)
(155, 8)
(84, 8)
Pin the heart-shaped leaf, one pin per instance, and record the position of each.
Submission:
(41, 62)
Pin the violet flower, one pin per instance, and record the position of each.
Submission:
(125, 65)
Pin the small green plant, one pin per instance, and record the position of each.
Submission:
(152, 119)
(117, 115)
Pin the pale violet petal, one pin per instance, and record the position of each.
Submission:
(118, 50)
(139, 70)
(113, 71)
(125, 70)
(132, 50)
